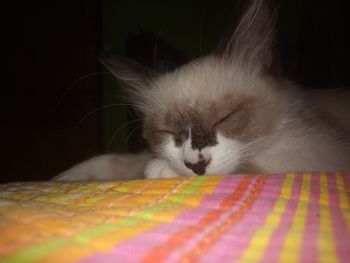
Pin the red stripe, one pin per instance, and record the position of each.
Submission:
(207, 242)
(159, 253)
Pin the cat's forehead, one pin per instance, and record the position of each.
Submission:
(205, 79)
(208, 85)
(196, 78)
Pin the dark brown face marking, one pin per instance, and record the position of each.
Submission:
(201, 138)
(192, 123)
(197, 168)
(181, 136)
(237, 117)
(249, 118)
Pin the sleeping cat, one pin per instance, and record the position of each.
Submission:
(229, 112)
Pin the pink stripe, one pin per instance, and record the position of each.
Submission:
(226, 187)
(193, 242)
(339, 226)
(133, 250)
(276, 243)
(235, 241)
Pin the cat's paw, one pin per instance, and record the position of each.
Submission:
(158, 168)
(107, 167)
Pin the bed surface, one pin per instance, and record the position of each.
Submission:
(272, 218)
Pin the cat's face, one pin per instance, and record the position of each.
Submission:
(208, 117)
(211, 115)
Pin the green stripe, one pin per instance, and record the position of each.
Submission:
(125, 186)
(34, 253)
(84, 237)
(191, 188)
(178, 198)
(38, 251)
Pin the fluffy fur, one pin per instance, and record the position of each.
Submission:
(229, 112)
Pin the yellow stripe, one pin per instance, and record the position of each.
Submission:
(127, 188)
(261, 238)
(106, 241)
(343, 199)
(292, 244)
(326, 239)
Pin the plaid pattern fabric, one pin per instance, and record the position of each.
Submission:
(295, 217)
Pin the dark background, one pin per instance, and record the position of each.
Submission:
(49, 47)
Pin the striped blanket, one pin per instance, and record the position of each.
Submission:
(273, 218)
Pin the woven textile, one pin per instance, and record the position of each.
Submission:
(271, 218)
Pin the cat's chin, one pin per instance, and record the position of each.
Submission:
(159, 168)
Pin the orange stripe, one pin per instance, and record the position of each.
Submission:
(159, 253)
(215, 235)
(92, 194)
(114, 187)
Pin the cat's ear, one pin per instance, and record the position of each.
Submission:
(131, 75)
(253, 42)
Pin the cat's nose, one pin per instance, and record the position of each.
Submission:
(199, 167)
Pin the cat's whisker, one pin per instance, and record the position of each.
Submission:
(132, 114)
(110, 143)
(87, 115)
(132, 131)
(71, 86)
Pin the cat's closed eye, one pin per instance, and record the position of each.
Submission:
(164, 131)
(226, 117)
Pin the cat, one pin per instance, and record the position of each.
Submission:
(227, 113)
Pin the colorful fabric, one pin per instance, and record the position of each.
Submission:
(272, 218)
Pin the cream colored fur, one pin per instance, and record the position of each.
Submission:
(107, 167)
